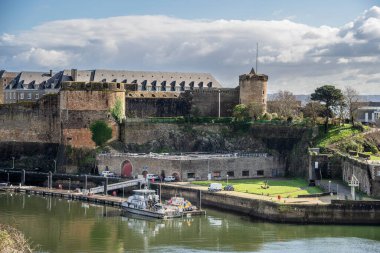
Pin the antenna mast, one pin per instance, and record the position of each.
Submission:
(257, 56)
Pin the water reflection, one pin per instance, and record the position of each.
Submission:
(61, 225)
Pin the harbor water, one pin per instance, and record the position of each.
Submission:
(60, 225)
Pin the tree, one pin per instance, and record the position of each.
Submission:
(117, 111)
(331, 97)
(351, 97)
(241, 112)
(313, 110)
(101, 132)
(284, 104)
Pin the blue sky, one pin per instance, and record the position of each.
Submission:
(24, 14)
(303, 44)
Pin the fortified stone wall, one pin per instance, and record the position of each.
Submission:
(31, 122)
(81, 104)
(338, 212)
(143, 107)
(207, 101)
(367, 174)
(191, 167)
(287, 143)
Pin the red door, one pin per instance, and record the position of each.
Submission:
(127, 170)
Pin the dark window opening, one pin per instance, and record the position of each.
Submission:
(260, 173)
(245, 173)
(230, 173)
(190, 175)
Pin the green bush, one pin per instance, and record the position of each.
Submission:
(101, 132)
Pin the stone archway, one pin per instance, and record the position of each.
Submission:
(176, 176)
(126, 169)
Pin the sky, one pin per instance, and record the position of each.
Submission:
(302, 44)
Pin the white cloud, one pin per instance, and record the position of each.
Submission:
(297, 57)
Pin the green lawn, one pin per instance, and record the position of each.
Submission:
(282, 187)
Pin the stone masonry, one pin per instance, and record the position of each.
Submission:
(189, 167)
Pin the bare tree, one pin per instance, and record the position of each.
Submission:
(284, 104)
(351, 97)
(313, 110)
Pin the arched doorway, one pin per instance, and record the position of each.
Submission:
(126, 169)
(176, 176)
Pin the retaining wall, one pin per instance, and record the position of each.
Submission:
(338, 212)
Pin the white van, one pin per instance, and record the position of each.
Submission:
(215, 187)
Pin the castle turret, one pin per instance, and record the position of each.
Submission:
(253, 90)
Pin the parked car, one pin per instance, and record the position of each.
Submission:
(152, 176)
(215, 187)
(229, 188)
(169, 179)
(107, 173)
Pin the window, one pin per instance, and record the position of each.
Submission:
(378, 173)
(37, 96)
(29, 95)
(21, 95)
(230, 173)
(245, 173)
(190, 175)
(263, 92)
(263, 101)
(260, 173)
(216, 174)
(6, 95)
(14, 95)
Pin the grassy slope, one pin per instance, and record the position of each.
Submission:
(283, 187)
(335, 134)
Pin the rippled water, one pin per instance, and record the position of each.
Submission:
(59, 225)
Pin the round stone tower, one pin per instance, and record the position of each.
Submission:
(253, 90)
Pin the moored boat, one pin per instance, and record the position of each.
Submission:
(146, 202)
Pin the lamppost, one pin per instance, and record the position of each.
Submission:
(55, 166)
(69, 184)
(227, 178)
(329, 185)
(219, 104)
(13, 164)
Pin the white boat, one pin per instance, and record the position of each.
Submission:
(146, 202)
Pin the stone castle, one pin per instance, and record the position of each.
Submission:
(59, 107)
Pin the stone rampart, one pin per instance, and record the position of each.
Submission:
(31, 122)
(338, 212)
(207, 101)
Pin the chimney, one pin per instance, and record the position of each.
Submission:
(74, 73)
(51, 73)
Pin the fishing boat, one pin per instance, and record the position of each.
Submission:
(146, 202)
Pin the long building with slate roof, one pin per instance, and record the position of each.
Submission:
(29, 86)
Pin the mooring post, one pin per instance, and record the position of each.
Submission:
(51, 179)
(23, 177)
(85, 182)
(200, 200)
(105, 186)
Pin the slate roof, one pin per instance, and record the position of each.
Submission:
(161, 78)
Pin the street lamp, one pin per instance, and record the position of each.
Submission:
(219, 104)
(329, 185)
(13, 164)
(55, 166)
